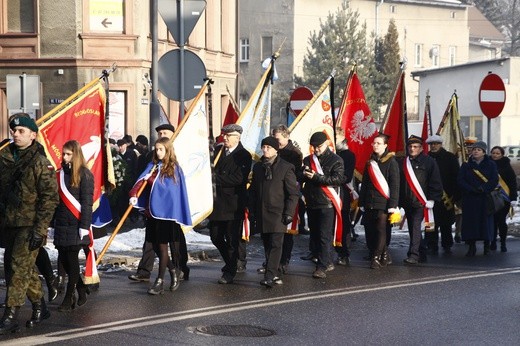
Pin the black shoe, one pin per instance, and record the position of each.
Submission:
(343, 261)
(157, 287)
(39, 313)
(319, 274)
(503, 247)
(82, 293)
(184, 274)
(472, 250)
(278, 280)
(458, 239)
(269, 283)
(241, 268)
(51, 288)
(261, 270)
(386, 259)
(284, 268)
(175, 282)
(68, 304)
(139, 278)
(375, 263)
(9, 324)
(330, 268)
(493, 245)
(225, 279)
(411, 261)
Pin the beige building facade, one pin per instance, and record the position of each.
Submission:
(69, 43)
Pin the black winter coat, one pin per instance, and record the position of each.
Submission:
(333, 175)
(270, 200)
(427, 173)
(291, 154)
(369, 196)
(349, 163)
(508, 174)
(449, 169)
(66, 225)
(231, 174)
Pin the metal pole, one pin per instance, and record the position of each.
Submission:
(488, 134)
(180, 9)
(23, 85)
(155, 108)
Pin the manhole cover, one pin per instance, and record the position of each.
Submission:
(234, 330)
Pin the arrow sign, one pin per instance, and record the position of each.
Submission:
(492, 96)
(192, 9)
(106, 23)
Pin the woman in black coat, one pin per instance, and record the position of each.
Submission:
(273, 196)
(72, 219)
(476, 179)
(378, 197)
(507, 179)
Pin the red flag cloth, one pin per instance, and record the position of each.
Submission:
(354, 118)
(396, 122)
(425, 133)
(230, 118)
(84, 121)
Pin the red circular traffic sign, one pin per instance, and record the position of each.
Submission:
(299, 99)
(492, 96)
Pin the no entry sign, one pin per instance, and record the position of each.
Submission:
(492, 96)
(299, 99)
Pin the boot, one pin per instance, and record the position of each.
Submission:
(472, 250)
(493, 245)
(375, 264)
(175, 280)
(39, 313)
(486, 247)
(60, 284)
(69, 301)
(8, 323)
(503, 247)
(385, 259)
(82, 293)
(185, 274)
(157, 287)
(51, 288)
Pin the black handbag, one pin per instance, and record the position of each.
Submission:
(494, 201)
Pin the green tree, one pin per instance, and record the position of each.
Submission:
(340, 43)
(387, 63)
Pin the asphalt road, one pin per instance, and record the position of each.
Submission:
(451, 299)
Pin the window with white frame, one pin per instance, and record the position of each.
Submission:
(452, 55)
(244, 50)
(418, 54)
(392, 8)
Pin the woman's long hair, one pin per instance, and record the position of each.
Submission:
(77, 161)
(169, 162)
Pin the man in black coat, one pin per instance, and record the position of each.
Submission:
(231, 170)
(444, 211)
(273, 196)
(416, 199)
(323, 174)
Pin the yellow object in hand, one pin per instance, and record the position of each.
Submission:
(394, 218)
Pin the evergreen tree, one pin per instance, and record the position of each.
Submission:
(340, 43)
(387, 63)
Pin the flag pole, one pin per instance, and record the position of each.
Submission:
(445, 116)
(391, 104)
(345, 93)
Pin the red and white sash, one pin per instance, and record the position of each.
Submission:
(334, 198)
(91, 275)
(417, 190)
(377, 178)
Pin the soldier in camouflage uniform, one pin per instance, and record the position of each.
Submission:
(28, 197)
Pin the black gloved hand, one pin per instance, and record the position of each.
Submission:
(286, 219)
(35, 240)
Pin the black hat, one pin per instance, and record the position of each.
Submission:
(142, 140)
(25, 121)
(318, 138)
(272, 142)
(414, 139)
(232, 128)
(121, 142)
(165, 127)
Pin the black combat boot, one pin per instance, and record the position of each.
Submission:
(8, 323)
(385, 259)
(39, 313)
(375, 263)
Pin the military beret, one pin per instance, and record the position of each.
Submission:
(24, 121)
(414, 139)
(165, 127)
(272, 142)
(318, 138)
(232, 128)
(434, 139)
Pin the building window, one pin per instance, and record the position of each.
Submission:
(418, 54)
(453, 55)
(106, 16)
(453, 14)
(267, 47)
(434, 55)
(20, 16)
(244, 50)
(392, 9)
(117, 114)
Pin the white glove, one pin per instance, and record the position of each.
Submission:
(393, 210)
(362, 209)
(429, 204)
(83, 232)
(133, 201)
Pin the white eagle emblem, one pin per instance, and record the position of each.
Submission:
(362, 128)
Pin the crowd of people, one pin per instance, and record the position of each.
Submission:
(274, 194)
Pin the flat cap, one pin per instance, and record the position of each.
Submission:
(414, 139)
(317, 138)
(165, 127)
(434, 139)
(232, 128)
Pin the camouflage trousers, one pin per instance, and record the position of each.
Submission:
(22, 279)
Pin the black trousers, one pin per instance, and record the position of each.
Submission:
(321, 224)
(346, 236)
(225, 235)
(500, 223)
(417, 248)
(68, 257)
(273, 243)
(376, 223)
